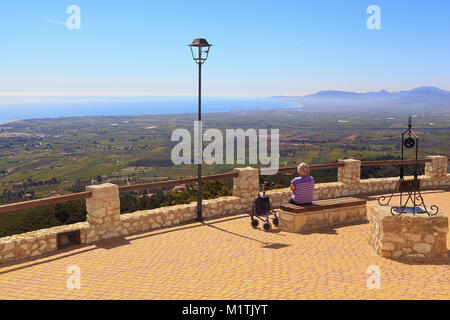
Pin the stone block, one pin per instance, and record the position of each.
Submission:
(350, 173)
(413, 235)
(437, 168)
(317, 220)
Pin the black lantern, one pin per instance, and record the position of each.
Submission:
(200, 51)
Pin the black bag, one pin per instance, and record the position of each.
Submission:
(262, 204)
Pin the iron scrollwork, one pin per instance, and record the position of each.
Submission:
(409, 189)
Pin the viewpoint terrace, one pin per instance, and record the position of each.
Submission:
(163, 254)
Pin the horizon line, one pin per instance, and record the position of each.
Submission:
(81, 94)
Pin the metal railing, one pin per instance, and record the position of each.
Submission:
(163, 184)
(170, 183)
(312, 167)
(44, 202)
(393, 162)
(87, 194)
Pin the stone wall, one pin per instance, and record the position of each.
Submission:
(437, 168)
(408, 237)
(349, 183)
(350, 173)
(246, 186)
(103, 212)
(105, 221)
(145, 220)
(31, 244)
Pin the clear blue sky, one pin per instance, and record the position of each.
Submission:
(261, 48)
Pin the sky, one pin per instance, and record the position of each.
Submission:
(260, 48)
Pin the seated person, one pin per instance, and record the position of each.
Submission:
(302, 187)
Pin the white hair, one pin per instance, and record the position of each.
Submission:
(303, 167)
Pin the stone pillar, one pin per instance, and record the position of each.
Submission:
(437, 168)
(350, 173)
(103, 210)
(246, 186)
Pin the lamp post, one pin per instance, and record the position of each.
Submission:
(200, 50)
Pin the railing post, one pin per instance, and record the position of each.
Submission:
(103, 211)
(437, 168)
(350, 173)
(246, 186)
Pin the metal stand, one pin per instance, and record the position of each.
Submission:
(410, 187)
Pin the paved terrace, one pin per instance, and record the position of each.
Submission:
(226, 259)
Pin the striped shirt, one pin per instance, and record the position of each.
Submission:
(304, 189)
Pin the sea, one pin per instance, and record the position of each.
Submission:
(56, 107)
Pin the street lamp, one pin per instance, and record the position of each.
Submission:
(200, 51)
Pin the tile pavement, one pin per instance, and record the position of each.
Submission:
(227, 259)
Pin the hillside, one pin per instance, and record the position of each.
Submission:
(430, 98)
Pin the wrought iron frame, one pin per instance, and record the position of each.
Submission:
(410, 187)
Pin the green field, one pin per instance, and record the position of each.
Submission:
(74, 152)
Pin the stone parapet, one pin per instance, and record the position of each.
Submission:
(35, 243)
(332, 190)
(437, 168)
(103, 211)
(246, 186)
(408, 237)
(350, 173)
(222, 206)
(144, 220)
(103, 208)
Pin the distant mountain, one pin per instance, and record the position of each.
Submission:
(408, 100)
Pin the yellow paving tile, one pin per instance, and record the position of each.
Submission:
(226, 259)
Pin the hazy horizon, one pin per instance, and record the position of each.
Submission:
(124, 106)
(35, 97)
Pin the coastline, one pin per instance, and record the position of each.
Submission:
(155, 106)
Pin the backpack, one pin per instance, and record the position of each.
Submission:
(262, 204)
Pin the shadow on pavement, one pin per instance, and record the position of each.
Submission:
(112, 243)
(276, 246)
(332, 230)
(102, 244)
(437, 262)
(87, 248)
(233, 233)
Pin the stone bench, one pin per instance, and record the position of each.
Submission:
(322, 214)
